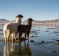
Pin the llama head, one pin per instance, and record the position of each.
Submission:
(18, 18)
(30, 21)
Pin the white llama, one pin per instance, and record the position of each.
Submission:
(11, 28)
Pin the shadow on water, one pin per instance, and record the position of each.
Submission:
(16, 49)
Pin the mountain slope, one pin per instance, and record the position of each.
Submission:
(3, 21)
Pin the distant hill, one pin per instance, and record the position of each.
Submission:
(56, 20)
(3, 21)
(36, 22)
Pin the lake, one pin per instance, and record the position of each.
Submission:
(44, 42)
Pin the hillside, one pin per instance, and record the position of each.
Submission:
(35, 22)
(3, 21)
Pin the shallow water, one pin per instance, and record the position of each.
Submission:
(44, 43)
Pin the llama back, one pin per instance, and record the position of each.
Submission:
(10, 26)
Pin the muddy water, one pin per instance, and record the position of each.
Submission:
(44, 42)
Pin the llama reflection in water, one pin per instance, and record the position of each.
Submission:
(17, 49)
(6, 50)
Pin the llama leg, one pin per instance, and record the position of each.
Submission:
(25, 36)
(5, 35)
(20, 35)
(15, 36)
(8, 35)
(28, 36)
(12, 37)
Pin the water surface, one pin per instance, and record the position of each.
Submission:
(44, 43)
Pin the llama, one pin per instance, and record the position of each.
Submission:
(25, 29)
(11, 28)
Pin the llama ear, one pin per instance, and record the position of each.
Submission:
(19, 15)
(32, 19)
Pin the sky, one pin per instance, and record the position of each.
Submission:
(36, 9)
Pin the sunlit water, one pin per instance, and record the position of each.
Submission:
(45, 43)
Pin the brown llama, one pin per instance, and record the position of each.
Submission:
(25, 29)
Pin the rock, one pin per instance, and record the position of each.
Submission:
(56, 31)
(35, 34)
(47, 31)
(54, 51)
(57, 40)
(42, 41)
(31, 40)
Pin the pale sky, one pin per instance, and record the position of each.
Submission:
(36, 9)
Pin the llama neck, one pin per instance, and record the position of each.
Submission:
(30, 24)
(18, 21)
